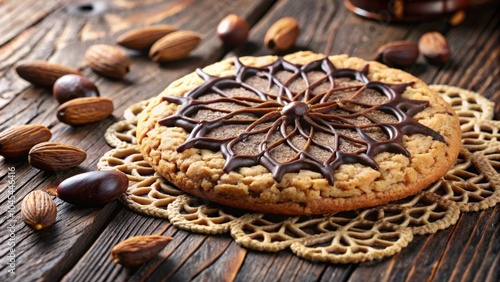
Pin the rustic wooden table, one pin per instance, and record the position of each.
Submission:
(77, 247)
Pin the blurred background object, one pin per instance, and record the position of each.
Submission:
(409, 10)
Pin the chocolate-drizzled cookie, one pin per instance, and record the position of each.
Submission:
(302, 134)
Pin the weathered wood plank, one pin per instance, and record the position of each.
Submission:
(211, 249)
(468, 248)
(99, 258)
(257, 264)
(227, 266)
(80, 242)
(17, 16)
(177, 260)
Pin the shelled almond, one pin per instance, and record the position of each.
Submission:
(108, 60)
(137, 250)
(145, 37)
(18, 140)
(86, 110)
(38, 210)
(52, 156)
(174, 46)
(43, 73)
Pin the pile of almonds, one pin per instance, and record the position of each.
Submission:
(81, 103)
(432, 45)
(165, 43)
(79, 97)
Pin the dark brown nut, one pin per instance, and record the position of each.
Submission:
(434, 47)
(73, 86)
(108, 60)
(17, 141)
(52, 156)
(94, 188)
(85, 110)
(398, 53)
(38, 210)
(137, 250)
(282, 34)
(43, 73)
(233, 30)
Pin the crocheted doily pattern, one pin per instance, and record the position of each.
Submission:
(472, 184)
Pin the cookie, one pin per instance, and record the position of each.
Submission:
(301, 134)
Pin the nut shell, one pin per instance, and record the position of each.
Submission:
(145, 37)
(174, 46)
(107, 60)
(18, 140)
(137, 250)
(52, 156)
(282, 34)
(43, 73)
(86, 110)
(38, 210)
(94, 188)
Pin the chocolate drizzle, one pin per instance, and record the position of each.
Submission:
(289, 130)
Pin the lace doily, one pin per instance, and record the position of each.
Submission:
(348, 237)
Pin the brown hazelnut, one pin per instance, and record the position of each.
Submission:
(233, 30)
(434, 47)
(73, 86)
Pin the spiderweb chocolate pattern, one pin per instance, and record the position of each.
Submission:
(339, 118)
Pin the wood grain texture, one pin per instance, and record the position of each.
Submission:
(77, 247)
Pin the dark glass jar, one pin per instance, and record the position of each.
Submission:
(406, 10)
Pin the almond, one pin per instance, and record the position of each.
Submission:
(138, 249)
(43, 73)
(108, 60)
(434, 47)
(18, 140)
(174, 46)
(52, 156)
(85, 110)
(143, 38)
(282, 34)
(38, 210)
